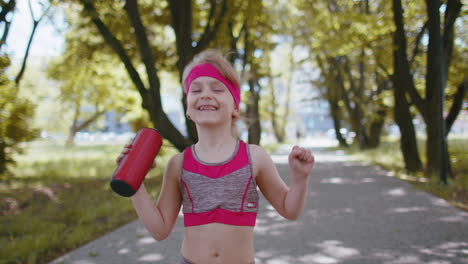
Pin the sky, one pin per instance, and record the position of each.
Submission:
(47, 40)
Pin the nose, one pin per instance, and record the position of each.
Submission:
(206, 93)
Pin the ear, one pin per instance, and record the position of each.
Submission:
(235, 114)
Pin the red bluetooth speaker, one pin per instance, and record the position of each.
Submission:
(131, 171)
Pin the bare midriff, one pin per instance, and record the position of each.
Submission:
(219, 244)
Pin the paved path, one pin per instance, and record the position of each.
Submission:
(355, 213)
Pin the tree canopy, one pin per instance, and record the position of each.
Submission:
(117, 51)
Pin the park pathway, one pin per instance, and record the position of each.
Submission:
(355, 213)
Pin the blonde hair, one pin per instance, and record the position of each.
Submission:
(215, 58)
(227, 70)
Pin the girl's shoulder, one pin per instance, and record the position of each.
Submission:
(174, 165)
(256, 148)
(176, 160)
(257, 153)
(261, 160)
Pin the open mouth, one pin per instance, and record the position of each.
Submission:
(207, 108)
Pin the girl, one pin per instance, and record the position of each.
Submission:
(215, 180)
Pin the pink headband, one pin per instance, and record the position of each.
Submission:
(209, 70)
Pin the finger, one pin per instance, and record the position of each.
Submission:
(301, 153)
(310, 158)
(306, 155)
(119, 159)
(153, 165)
(296, 151)
(302, 156)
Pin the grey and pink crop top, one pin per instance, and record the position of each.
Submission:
(223, 192)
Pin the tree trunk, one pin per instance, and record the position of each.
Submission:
(151, 97)
(375, 125)
(377, 119)
(158, 117)
(355, 104)
(3, 159)
(187, 47)
(72, 131)
(273, 109)
(285, 117)
(332, 94)
(253, 115)
(436, 145)
(452, 12)
(334, 113)
(75, 127)
(401, 80)
(352, 106)
(408, 142)
(182, 25)
(376, 128)
(456, 105)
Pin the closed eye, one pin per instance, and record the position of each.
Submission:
(218, 89)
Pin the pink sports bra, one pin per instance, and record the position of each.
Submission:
(223, 192)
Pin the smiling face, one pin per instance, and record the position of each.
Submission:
(209, 102)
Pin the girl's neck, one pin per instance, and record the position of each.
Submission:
(215, 145)
(213, 138)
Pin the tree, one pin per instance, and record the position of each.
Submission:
(329, 88)
(16, 113)
(90, 80)
(436, 147)
(402, 80)
(249, 31)
(15, 117)
(281, 78)
(258, 46)
(431, 106)
(190, 38)
(346, 40)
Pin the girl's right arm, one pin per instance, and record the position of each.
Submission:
(159, 218)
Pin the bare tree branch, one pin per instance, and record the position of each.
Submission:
(31, 37)
(7, 8)
(210, 31)
(417, 42)
(456, 105)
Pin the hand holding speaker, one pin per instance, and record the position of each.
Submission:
(125, 151)
(135, 161)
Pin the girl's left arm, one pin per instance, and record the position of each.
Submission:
(287, 200)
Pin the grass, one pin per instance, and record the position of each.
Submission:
(60, 199)
(388, 156)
